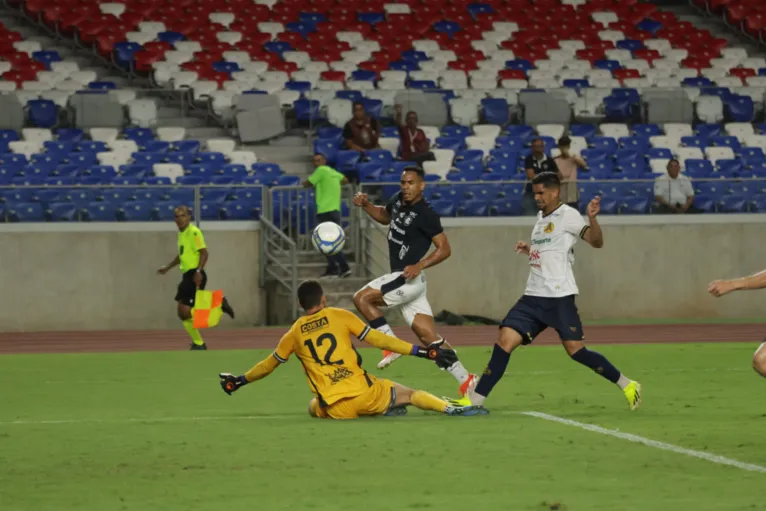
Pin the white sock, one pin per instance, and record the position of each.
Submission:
(458, 372)
(385, 329)
(623, 381)
(476, 399)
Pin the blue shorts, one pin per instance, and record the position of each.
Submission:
(533, 314)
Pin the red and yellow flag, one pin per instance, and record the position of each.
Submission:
(207, 308)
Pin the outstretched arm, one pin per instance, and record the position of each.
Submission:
(444, 358)
(722, 287)
(231, 383)
(377, 213)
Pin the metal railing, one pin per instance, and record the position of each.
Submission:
(279, 261)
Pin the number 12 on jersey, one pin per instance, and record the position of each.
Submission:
(328, 355)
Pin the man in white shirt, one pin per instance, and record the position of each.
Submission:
(549, 298)
(673, 191)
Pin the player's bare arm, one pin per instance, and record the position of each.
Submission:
(593, 236)
(172, 264)
(722, 287)
(442, 252)
(377, 213)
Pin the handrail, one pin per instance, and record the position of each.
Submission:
(266, 258)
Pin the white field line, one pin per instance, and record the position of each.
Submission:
(702, 455)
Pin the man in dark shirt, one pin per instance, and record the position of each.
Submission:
(362, 132)
(414, 145)
(412, 227)
(534, 164)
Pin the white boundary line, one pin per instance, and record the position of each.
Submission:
(702, 455)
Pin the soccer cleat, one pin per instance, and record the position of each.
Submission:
(198, 347)
(388, 358)
(226, 308)
(466, 411)
(633, 394)
(468, 386)
(459, 402)
(396, 411)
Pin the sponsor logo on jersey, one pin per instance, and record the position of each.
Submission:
(315, 325)
(542, 241)
(549, 228)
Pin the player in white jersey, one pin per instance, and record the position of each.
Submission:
(549, 298)
(723, 287)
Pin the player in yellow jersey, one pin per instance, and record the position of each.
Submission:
(191, 259)
(342, 388)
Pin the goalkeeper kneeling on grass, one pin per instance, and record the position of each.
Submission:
(321, 339)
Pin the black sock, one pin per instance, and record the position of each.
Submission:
(494, 371)
(378, 322)
(598, 363)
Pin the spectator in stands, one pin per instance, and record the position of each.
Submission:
(673, 191)
(361, 133)
(535, 163)
(567, 164)
(414, 144)
(328, 182)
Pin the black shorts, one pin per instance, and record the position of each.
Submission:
(533, 314)
(187, 289)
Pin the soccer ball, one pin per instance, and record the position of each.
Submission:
(328, 238)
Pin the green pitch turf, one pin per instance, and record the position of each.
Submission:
(154, 431)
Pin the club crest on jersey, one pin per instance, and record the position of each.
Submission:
(410, 218)
(549, 228)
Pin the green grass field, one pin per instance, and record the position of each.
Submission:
(154, 431)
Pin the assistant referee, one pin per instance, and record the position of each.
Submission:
(191, 259)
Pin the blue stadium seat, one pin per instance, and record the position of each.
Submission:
(460, 176)
(210, 210)
(170, 37)
(633, 206)
(382, 156)
(522, 131)
(92, 146)
(182, 196)
(454, 143)
(505, 207)
(618, 189)
(755, 169)
(738, 108)
(659, 153)
(484, 192)
(473, 208)
(420, 84)
(618, 109)
(25, 212)
(582, 130)
(453, 130)
(469, 168)
(752, 153)
(307, 110)
(201, 170)
(695, 141)
(182, 159)
(641, 144)
(186, 146)
(240, 210)
(327, 147)
(519, 65)
(288, 180)
(136, 211)
(335, 133)
(214, 158)
(82, 197)
(607, 144)
(725, 141)
(745, 190)
(373, 107)
(475, 156)
(140, 136)
(100, 212)
(214, 194)
(708, 130)
(594, 157)
(610, 65)
(646, 130)
(146, 158)
(163, 211)
(63, 212)
(758, 204)
(698, 168)
(369, 171)
(60, 147)
(495, 111)
(155, 146)
(346, 160)
(42, 113)
(712, 189)
(192, 180)
(151, 194)
(732, 204)
(351, 95)
(140, 171)
(729, 168)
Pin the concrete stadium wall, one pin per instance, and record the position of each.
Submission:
(103, 276)
(650, 267)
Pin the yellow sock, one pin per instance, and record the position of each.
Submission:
(425, 401)
(196, 337)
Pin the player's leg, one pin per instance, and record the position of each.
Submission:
(370, 299)
(520, 326)
(423, 400)
(419, 316)
(759, 359)
(569, 327)
(185, 295)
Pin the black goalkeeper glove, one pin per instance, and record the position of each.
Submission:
(231, 383)
(444, 357)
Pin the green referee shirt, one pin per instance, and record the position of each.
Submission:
(327, 182)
